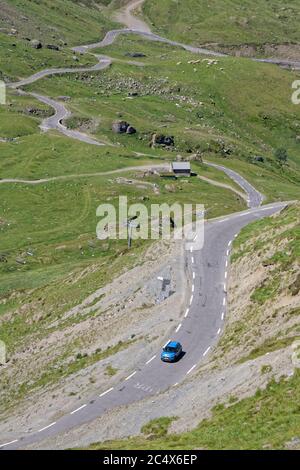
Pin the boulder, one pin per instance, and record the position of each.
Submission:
(120, 127)
(52, 47)
(160, 139)
(259, 158)
(36, 44)
(130, 130)
(135, 54)
(123, 127)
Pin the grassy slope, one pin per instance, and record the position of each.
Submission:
(271, 417)
(214, 109)
(63, 23)
(35, 217)
(56, 21)
(225, 21)
(267, 420)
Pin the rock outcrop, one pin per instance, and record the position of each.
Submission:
(160, 139)
(123, 127)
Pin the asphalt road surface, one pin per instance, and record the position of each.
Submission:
(199, 329)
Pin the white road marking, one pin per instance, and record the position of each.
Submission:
(78, 409)
(229, 243)
(193, 260)
(8, 443)
(175, 385)
(225, 274)
(195, 238)
(160, 278)
(191, 301)
(219, 331)
(223, 315)
(205, 352)
(236, 235)
(191, 249)
(225, 287)
(47, 427)
(150, 360)
(224, 301)
(194, 275)
(193, 288)
(226, 263)
(186, 313)
(178, 328)
(167, 343)
(131, 375)
(192, 368)
(227, 252)
(107, 391)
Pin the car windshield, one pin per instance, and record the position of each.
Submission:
(170, 349)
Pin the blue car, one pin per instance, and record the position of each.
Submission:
(171, 352)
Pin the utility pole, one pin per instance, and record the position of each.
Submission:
(130, 225)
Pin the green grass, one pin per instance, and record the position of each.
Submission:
(268, 419)
(272, 230)
(225, 21)
(225, 111)
(57, 21)
(20, 60)
(268, 347)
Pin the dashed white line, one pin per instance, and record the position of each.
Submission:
(226, 274)
(191, 249)
(194, 275)
(175, 385)
(192, 368)
(8, 443)
(107, 391)
(167, 343)
(229, 243)
(191, 301)
(47, 427)
(219, 331)
(193, 288)
(223, 315)
(131, 375)
(178, 328)
(205, 352)
(78, 409)
(224, 301)
(226, 264)
(150, 360)
(227, 253)
(193, 260)
(186, 313)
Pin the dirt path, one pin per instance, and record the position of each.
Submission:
(84, 175)
(126, 17)
(223, 185)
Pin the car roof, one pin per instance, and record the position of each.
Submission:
(173, 344)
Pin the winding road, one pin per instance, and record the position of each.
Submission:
(203, 318)
(199, 328)
(135, 26)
